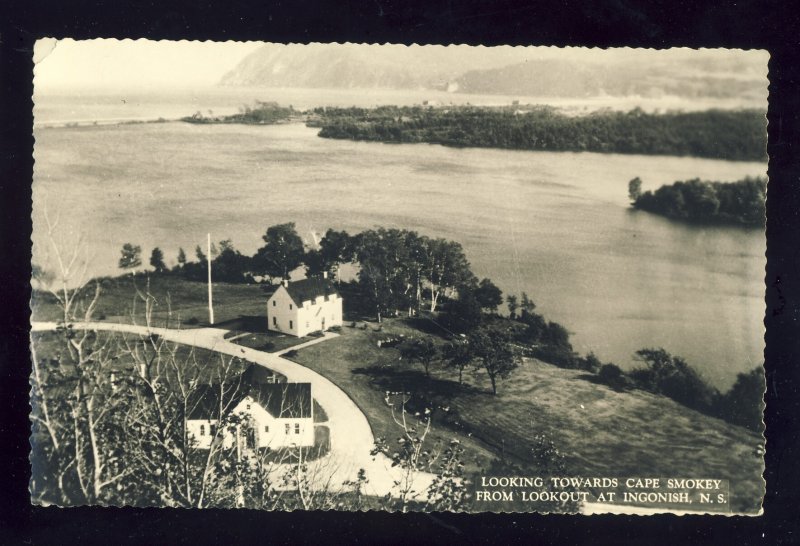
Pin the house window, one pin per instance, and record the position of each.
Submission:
(288, 428)
(212, 429)
(248, 406)
(202, 430)
(306, 324)
(290, 307)
(274, 321)
(274, 303)
(291, 325)
(297, 428)
(266, 428)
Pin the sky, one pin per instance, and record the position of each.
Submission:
(133, 63)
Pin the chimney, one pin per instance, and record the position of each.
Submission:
(324, 274)
(285, 282)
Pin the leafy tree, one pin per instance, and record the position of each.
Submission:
(181, 258)
(526, 306)
(613, 376)
(282, 253)
(157, 260)
(635, 189)
(591, 363)
(494, 350)
(201, 257)
(383, 269)
(743, 404)
(336, 248)
(463, 314)
(230, 265)
(422, 350)
(458, 355)
(226, 245)
(673, 377)
(314, 263)
(416, 248)
(445, 267)
(513, 305)
(131, 257)
(488, 295)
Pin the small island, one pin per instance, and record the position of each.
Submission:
(705, 202)
(263, 113)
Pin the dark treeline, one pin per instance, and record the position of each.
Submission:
(741, 202)
(263, 113)
(671, 376)
(732, 135)
(400, 272)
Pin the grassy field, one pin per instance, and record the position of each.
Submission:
(601, 432)
(269, 342)
(178, 302)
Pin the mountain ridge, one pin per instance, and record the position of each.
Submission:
(505, 70)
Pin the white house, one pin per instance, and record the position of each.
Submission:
(268, 415)
(301, 307)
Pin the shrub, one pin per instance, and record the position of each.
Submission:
(613, 376)
(673, 377)
(590, 363)
(743, 405)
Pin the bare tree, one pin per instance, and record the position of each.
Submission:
(412, 456)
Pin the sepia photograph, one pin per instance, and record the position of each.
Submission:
(426, 278)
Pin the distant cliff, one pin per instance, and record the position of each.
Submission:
(506, 70)
(353, 66)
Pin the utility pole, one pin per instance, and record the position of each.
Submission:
(210, 301)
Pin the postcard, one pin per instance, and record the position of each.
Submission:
(403, 278)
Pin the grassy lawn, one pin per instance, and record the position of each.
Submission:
(266, 341)
(178, 302)
(601, 432)
(342, 359)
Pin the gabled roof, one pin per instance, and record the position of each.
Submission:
(284, 400)
(310, 289)
(281, 400)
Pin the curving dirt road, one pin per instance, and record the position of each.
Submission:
(351, 437)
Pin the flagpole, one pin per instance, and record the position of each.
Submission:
(210, 302)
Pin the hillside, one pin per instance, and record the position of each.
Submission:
(599, 431)
(725, 77)
(526, 72)
(345, 66)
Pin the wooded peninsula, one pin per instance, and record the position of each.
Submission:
(718, 134)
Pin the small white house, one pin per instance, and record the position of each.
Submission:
(269, 415)
(301, 307)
